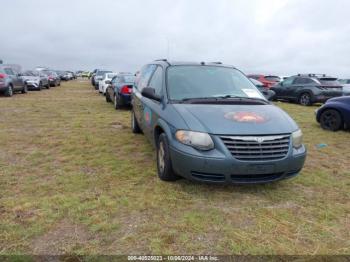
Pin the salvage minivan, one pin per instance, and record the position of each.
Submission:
(209, 123)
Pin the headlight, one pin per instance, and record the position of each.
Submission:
(297, 137)
(198, 140)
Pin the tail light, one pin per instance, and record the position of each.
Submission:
(125, 90)
(2, 76)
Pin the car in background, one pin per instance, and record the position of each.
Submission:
(268, 93)
(54, 79)
(35, 80)
(106, 80)
(85, 74)
(209, 123)
(120, 89)
(11, 82)
(346, 86)
(93, 77)
(334, 114)
(63, 75)
(267, 80)
(71, 75)
(307, 89)
(98, 76)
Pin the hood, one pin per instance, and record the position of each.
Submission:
(236, 119)
(31, 78)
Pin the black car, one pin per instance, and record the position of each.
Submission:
(308, 89)
(120, 89)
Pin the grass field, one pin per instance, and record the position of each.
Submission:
(74, 179)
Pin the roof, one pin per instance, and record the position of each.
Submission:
(177, 63)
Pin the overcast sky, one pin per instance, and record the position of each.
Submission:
(260, 36)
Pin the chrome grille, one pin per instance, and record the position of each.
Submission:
(257, 148)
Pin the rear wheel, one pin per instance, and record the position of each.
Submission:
(9, 91)
(331, 119)
(134, 125)
(164, 166)
(305, 99)
(117, 102)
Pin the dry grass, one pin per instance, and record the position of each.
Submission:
(74, 179)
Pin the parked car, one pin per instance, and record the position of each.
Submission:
(335, 114)
(105, 81)
(35, 80)
(308, 89)
(346, 86)
(10, 82)
(267, 80)
(120, 89)
(268, 93)
(85, 74)
(54, 79)
(209, 123)
(98, 76)
(93, 77)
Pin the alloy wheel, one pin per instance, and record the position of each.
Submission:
(161, 157)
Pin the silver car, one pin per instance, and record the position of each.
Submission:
(35, 80)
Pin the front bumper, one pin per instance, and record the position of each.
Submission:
(220, 166)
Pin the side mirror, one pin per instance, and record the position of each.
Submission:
(108, 82)
(150, 93)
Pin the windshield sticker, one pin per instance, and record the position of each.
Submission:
(247, 117)
(251, 93)
(147, 114)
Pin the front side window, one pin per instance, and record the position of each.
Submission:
(157, 81)
(186, 82)
(288, 81)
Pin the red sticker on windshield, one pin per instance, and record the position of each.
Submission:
(248, 117)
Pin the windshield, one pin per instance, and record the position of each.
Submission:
(29, 73)
(186, 82)
(110, 76)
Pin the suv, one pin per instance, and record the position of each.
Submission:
(11, 82)
(99, 76)
(209, 123)
(308, 89)
(267, 80)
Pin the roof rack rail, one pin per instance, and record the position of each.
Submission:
(218, 63)
(312, 75)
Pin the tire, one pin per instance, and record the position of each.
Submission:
(305, 99)
(41, 86)
(48, 86)
(25, 89)
(134, 125)
(108, 98)
(164, 166)
(117, 102)
(9, 91)
(331, 119)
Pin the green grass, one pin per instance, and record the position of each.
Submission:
(74, 179)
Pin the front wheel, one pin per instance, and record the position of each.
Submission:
(331, 120)
(25, 89)
(305, 99)
(164, 166)
(134, 125)
(108, 98)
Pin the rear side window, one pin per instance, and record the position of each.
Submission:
(273, 78)
(329, 81)
(157, 81)
(288, 81)
(144, 77)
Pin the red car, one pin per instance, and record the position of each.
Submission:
(267, 80)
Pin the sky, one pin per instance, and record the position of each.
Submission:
(282, 37)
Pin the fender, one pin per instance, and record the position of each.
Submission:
(165, 127)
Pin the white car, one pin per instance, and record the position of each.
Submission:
(104, 82)
(346, 86)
